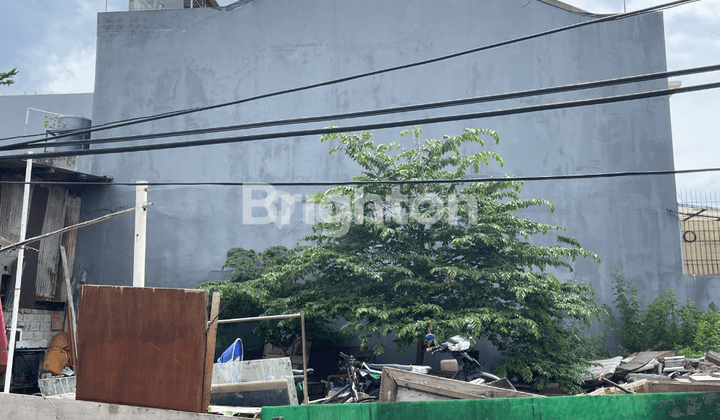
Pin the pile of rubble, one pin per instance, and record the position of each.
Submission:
(654, 371)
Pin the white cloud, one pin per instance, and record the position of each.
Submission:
(74, 73)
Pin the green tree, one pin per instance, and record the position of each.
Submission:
(236, 302)
(6, 78)
(409, 256)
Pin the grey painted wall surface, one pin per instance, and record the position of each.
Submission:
(13, 111)
(158, 61)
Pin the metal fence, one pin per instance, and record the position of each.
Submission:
(699, 215)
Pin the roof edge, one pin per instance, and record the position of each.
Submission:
(569, 8)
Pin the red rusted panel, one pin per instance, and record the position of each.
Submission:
(142, 346)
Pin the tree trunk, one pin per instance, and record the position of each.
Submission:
(420, 355)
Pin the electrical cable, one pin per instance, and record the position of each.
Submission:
(384, 111)
(139, 120)
(621, 174)
(370, 126)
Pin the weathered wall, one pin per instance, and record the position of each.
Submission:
(158, 61)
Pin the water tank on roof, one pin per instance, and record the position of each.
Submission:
(73, 122)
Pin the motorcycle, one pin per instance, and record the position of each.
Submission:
(469, 369)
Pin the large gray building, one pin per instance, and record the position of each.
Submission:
(151, 62)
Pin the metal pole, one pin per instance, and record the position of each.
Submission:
(304, 352)
(256, 318)
(18, 276)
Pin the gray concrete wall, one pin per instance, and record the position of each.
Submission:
(159, 61)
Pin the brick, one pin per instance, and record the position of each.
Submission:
(34, 326)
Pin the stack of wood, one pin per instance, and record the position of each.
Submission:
(654, 371)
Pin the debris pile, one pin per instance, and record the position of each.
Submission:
(654, 371)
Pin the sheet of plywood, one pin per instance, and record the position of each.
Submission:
(142, 346)
(47, 269)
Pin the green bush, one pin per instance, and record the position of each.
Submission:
(707, 334)
(663, 323)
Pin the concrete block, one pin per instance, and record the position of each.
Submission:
(27, 407)
(34, 326)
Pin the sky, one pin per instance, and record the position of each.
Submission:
(52, 43)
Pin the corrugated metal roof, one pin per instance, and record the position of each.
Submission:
(49, 172)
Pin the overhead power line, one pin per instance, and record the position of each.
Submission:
(382, 182)
(370, 126)
(33, 144)
(139, 120)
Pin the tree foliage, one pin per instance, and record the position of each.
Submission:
(237, 302)
(663, 323)
(6, 78)
(412, 256)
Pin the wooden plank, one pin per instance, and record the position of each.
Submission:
(142, 346)
(446, 392)
(713, 357)
(210, 348)
(637, 387)
(388, 387)
(408, 395)
(70, 301)
(443, 386)
(71, 331)
(68, 239)
(704, 378)
(676, 386)
(47, 270)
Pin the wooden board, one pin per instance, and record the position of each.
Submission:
(142, 346)
(393, 380)
(676, 386)
(47, 270)
(210, 347)
(72, 217)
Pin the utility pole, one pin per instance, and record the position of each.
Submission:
(19, 274)
(141, 205)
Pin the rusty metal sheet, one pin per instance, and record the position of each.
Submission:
(142, 346)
